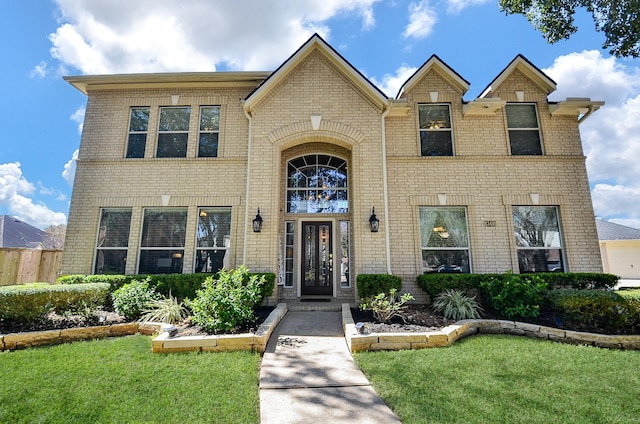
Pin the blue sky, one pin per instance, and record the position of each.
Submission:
(43, 40)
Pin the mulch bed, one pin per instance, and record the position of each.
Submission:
(53, 321)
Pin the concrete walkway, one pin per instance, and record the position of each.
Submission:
(308, 375)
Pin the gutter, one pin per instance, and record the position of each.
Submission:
(385, 186)
(246, 195)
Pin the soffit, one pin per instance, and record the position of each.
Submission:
(86, 83)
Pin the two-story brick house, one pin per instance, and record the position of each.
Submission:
(174, 169)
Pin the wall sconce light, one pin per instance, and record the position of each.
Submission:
(374, 222)
(257, 222)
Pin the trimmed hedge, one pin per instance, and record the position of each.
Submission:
(370, 285)
(434, 284)
(181, 286)
(30, 302)
(604, 311)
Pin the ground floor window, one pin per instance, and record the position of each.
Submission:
(344, 240)
(538, 238)
(213, 239)
(289, 249)
(163, 239)
(444, 239)
(113, 240)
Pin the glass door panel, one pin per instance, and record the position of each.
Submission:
(317, 263)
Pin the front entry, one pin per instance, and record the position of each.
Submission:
(317, 258)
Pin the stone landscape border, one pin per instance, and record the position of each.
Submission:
(358, 342)
(256, 342)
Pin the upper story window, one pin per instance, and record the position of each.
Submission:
(173, 132)
(138, 127)
(436, 138)
(524, 131)
(317, 184)
(209, 130)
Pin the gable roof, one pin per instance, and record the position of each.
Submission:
(316, 43)
(437, 64)
(612, 231)
(523, 65)
(17, 233)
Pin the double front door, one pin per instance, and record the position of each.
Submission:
(317, 258)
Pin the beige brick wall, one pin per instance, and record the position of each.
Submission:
(482, 176)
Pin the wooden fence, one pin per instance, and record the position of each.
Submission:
(19, 266)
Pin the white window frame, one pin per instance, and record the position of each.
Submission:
(224, 248)
(130, 132)
(209, 130)
(466, 248)
(436, 129)
(537, 129)
(161, 132)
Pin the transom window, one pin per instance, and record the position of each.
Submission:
(213, 235)
(538, 238)
(444, 240)
(138, 127)
(317, 184)
(524, 131)
(209, 130)
(162, 245)
(436, 137)
(173, 132)
(113, 241)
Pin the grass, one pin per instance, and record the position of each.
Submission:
(119, 380)
(506, 379)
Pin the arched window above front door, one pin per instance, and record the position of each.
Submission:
(317, 184)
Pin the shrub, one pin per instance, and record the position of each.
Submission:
(268, 284)
(434, 284)
(597, 310)
(454, 304)
(31, 302)
(386, 306)
(370, 285)
(131, 299)
(227, 302)
(516, 295)
(168, 310)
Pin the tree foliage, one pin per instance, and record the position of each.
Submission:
(619, 20)
(56, 235)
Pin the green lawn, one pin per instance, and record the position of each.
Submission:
(508, 379)
(119, 380)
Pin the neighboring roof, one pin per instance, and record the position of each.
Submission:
(316, 43)
(612, 231)
(17, 233)
(437, 64)
(172, 79)
(523, 65)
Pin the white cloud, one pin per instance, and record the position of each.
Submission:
(611, 136)
(69, 172)
(456, 6)
(422, 19)
(78, 116)
(14, 189)
(391, 84)
(40, 70)
(156, 36)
